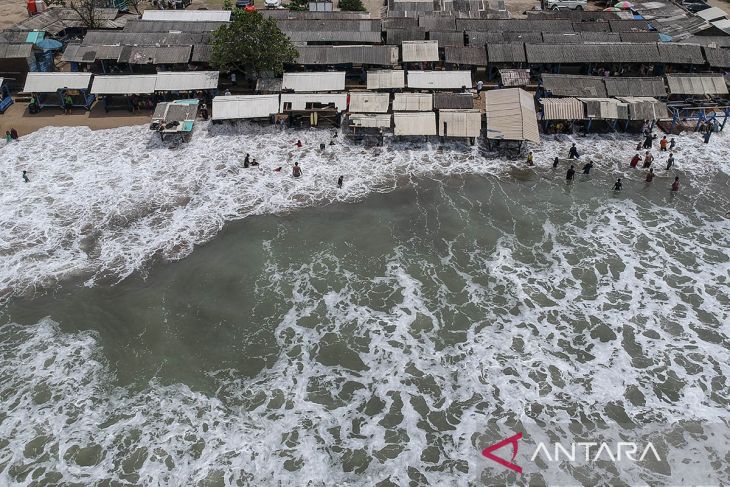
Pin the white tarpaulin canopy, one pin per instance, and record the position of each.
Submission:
(140, 84)
(562, 109)
(415, 123)
(696, 84)
(313, 82)
(52, 82)
(186, 81)
(439, 80)
(368, 102)
(413, 102)
(244, 106)
(386, 79)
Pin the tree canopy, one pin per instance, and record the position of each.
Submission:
(352, 5)
(251, 42)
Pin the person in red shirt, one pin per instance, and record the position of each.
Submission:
(663, 143)
(675, 184)
(635, 160)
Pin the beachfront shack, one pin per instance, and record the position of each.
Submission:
(313, 98)
(130, 92)
(419, 51)
(511, 116)
(50, 89)
(5, 99)
(16, 61)
(414, 123)
(368, 102)
(695, 99)
(348, 56)
(245, 107)
(439, 80)
(460, 123)
(175, 117)
(412, 102)
(386, 79)
(175, 85)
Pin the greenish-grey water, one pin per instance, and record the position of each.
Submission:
(384, 341)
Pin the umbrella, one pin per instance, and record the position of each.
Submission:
(624, 5)
(612, 9)
(49, 44)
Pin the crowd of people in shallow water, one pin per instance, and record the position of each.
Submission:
(648, 159)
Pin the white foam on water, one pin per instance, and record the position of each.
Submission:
(599, 317)
(104, 204)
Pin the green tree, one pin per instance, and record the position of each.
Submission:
(299, 5)
(352, 5)
(253, 43)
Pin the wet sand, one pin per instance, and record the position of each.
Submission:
(17, 117)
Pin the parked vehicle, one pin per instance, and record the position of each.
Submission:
(565, 4)
(244, 3)
(272, 3)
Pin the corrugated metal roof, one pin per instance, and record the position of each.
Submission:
(244, 106)
(592, 53)
(150, 26)
(472, 56)
(477, 38)
(15, 51)
(680, 53)
(639, 36)
(445, 38)
(390, 79)
(107, 38)
(400, 22)
(188, 15)
(419, 51)
(418, 102)
(415, 123)
(514, 25)
(508, 52)
(129, 84)
(712, 13)
(435, 80)
(186, 80)
(453, 101)
(635, 87)
(710, 41)
(645, 108)
(340, 25)
(605, 108)
(335, 36)
(372, 55)
(56, 19)
(511, 115)
(369, 102)
(572, 85)
(293, 14)
(313, 82)
(514, 77)
(374, 121)
(629, 25)
(397, 36)
(268, 84)
(697, 84)
(591, 27)
(52, 82)
(299, 101)
(717, 57)
(202, 53)
(460, 123)
(562, 109)
(437, 22)
(155, 55)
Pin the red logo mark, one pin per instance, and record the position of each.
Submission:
(487, 452)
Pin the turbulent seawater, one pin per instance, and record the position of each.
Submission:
(170, 318)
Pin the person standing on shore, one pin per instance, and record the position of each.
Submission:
(618, 185)
(67, 104)
(530, 159)
(25, 177)
(14, 134)
(8, 137)
(573, 152)
(670, 161)
(675, 184)
(570, 175)
(339, 181)
(650, 176)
